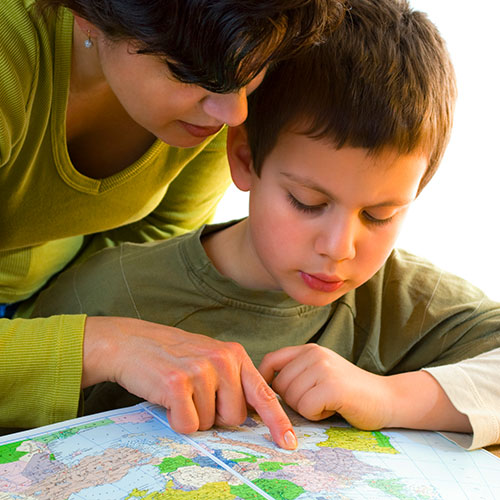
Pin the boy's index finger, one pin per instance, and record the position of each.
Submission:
(263, 399)
(267, 371)
(275, 361)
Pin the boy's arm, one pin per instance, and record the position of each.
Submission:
(462, 397)
(472, 387)
(416, 400)
(317, 382)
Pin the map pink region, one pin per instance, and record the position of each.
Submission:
(316, 470)
(328, 470)
(108, 467)
(12, 478)
(132, 418)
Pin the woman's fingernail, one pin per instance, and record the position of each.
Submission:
(290, 440)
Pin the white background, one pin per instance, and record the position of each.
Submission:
(455, 221)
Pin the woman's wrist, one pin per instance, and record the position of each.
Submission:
(97, 350)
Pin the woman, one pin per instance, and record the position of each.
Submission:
(111, 130)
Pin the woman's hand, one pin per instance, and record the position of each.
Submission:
(199, 380)
(317, 382)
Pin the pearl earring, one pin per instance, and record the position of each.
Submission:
(88, 43)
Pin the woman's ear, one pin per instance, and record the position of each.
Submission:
(84, 25)
(239, 157)
(86, 30)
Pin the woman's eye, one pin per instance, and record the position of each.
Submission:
(308, 209)
(376, 220)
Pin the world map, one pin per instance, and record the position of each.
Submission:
(133, 454)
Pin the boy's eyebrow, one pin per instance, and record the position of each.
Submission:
(316, 187)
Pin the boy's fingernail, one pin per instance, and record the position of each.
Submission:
(290, 440)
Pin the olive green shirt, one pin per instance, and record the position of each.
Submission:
(51, 214)
(409, 315)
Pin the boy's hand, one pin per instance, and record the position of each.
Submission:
(201, 381)
(317, 382)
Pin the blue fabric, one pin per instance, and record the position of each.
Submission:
(8, 310)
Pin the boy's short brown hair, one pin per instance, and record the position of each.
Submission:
(383, 78)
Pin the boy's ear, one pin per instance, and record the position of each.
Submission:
(239, 157)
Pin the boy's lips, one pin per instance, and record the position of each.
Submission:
(321, 282)
(199, 130)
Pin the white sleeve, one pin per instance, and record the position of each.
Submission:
(473, 386)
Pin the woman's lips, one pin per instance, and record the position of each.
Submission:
(199, 131)
(321, 283)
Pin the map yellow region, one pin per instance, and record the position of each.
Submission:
(210, 491)
(356, 440)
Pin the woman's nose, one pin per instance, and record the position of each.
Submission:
(227, 108)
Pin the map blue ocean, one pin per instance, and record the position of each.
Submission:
(132, 454)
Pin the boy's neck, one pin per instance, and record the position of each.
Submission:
(231, 253)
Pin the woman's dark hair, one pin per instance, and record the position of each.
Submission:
(383, 78)
(220, 45)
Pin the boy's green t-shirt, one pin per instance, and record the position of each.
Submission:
(409, 315)
(50, 214)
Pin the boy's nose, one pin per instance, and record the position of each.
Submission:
(338, 240)
(227, 108)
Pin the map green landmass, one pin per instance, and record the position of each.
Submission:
(9, 453)
(171, 464)
(280, 489)
(247, 457)
(274, 466)
(396, 489)
(72, 431)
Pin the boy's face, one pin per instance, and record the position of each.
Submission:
(323, 221)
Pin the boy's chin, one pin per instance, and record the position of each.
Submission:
(317, 299)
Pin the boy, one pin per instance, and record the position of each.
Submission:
(337, 145)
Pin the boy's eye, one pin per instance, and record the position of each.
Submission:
(308, 209)
(376, 220)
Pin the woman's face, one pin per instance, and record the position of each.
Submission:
(179, 114)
